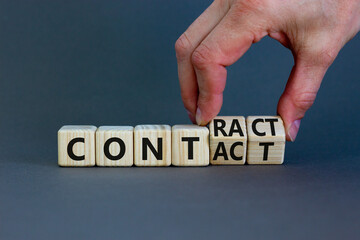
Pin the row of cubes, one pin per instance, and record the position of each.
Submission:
(227, 140)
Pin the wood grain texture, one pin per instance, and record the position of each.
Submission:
(180, 146)
(228, 140)
(266, 140)
(119, 143)
(151, 134)
(85, 149)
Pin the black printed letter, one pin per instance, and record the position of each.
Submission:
(271, 121)
(190, 141)
(107, 151)
(220, 151)
(235, 127)
(256, 121)
(232, 151)
(266, 149)
(219, 128)
(70, 149)
(146, 143)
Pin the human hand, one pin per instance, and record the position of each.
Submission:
(314, 30)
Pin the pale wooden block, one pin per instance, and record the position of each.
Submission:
(228, 140)
(266, 140)
(152, 145)
(186, 138)
(76, 146)
(115, 146)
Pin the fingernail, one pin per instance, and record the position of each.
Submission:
(192, 118)
(294, 129)
(198, 116)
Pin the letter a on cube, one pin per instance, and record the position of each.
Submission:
(76, 146)
(228, 140)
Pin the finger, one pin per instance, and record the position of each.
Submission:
(300, 93)
(185, 46)
(229, 40)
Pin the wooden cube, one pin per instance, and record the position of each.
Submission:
(76, 146)
(190, 145)
(115, 146)
(266, 140)
(152, 145)
(228, 140)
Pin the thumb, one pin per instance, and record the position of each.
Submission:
(300, 91)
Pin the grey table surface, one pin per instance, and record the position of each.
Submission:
(113, 63)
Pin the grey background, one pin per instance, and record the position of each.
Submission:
(113, 63)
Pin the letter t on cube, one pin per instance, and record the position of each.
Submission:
(190, 145)
(266, 143)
